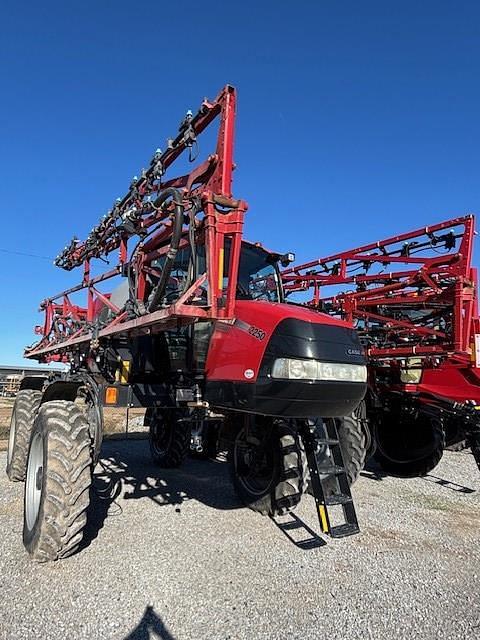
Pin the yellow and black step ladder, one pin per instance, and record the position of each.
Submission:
(328, 478)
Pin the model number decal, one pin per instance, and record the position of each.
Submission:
(257, 333)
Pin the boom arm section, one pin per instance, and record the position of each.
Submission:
(411, 294)
(136, 211)
(164, 214)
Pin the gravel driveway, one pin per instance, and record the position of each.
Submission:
(173, 556)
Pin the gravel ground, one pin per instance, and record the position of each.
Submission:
(173, 556)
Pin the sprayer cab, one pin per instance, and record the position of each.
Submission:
(281, 359)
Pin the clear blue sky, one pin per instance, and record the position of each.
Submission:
(356, 120)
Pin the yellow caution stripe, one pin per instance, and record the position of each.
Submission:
(221, 258)
(322, 512)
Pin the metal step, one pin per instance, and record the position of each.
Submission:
(310, 543)
(338, 498)
(330, 469)
(330, 442)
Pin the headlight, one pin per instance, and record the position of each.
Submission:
(290, 369)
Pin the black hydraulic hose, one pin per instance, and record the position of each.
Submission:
(159, 289)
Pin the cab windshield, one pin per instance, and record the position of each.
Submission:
(258, 277)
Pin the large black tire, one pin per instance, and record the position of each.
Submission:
(21, 425)
(268, 476)
(353, 444)
(409, 448)
(57, 487)
(169, 437)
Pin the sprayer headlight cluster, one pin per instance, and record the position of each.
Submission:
(295, 369)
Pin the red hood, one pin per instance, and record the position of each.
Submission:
(276, 311)
(236, 350)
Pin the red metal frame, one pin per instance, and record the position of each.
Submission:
(422, 314)
(207, 196)
(388, 304)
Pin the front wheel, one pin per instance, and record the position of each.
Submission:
(267, 471)
(57, 487)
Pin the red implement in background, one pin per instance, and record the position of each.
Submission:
(411, 294)
(413, 300)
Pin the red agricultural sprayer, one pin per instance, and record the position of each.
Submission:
(191, 323)
(413, 301)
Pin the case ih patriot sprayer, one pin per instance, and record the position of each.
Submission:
(413, 301)
(195, 328)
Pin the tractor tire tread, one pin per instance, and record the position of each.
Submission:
(353, 443)
(67, 482)
(26, 406)
(287, 491)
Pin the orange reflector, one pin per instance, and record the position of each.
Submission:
(111, 395)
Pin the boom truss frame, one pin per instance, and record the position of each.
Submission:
(412, 294)
(210, 214)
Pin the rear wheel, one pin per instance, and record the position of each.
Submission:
(410, 446)
(59, 475)
(21, 425)
(267, 466)
(169, 437)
